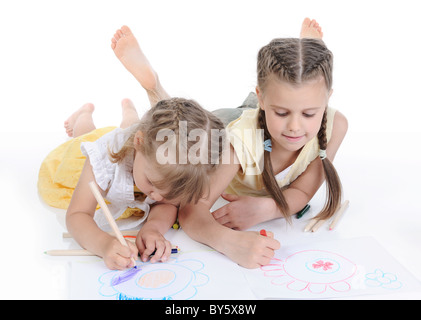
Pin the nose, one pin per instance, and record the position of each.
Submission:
(294, 124)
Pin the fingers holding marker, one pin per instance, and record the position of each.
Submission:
(265, 233)
(274, 244)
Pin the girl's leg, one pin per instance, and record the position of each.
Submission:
(81, 121)
(128, 51)
(129, 114)
(311, 29)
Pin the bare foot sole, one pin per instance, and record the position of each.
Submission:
(128, 51)
(311, 29)
(69, 124)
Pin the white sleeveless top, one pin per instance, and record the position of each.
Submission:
(115, 178)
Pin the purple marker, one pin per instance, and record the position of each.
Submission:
(125, 276)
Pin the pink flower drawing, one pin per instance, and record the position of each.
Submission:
(315, 271)
(325, 265)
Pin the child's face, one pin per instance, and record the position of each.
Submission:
(293, 113)
(143, 174)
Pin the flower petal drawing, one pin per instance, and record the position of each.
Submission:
(314, 271)
(380, 279)
(341, 286)
(317, 287)
(324, 265)
(174, 279)
(297, 285)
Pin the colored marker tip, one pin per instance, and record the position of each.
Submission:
(125, 276)
(263, 232)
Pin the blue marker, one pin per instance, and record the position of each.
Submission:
(173, 250)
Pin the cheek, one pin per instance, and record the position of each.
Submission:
(138, 181)
(274, 124)
(314, 127)
(143, 187)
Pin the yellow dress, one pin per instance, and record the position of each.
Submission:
(61, 169)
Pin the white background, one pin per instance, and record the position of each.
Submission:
(56, 56)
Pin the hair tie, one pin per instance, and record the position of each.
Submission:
(267, 145)
(322, 154)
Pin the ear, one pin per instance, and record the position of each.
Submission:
(138, 139)
(259, 97)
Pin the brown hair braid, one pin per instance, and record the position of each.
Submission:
(268, 176)
(333, 183)
(185, 181)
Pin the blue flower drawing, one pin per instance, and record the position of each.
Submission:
(378, 278)
(175, 279)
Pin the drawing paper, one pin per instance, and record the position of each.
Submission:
(190, 275)
(339, 268)
(333, 269)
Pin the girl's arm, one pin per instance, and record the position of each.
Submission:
(151, 236)
(80, 223)
(249, 249)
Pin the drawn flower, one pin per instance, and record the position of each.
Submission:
(380, 279)
(313, 270)
(159, 281)
(321, 264)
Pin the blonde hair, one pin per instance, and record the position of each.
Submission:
(187, 182)
(296, 61)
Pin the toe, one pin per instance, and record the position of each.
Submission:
(126, 30)
(306, 22)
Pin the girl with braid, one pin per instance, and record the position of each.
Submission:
(124, 165)
(282, 144)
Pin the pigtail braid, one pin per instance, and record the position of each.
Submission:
(333, 183)
(321, 135)
(268, 176)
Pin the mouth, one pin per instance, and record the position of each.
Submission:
(292, 139)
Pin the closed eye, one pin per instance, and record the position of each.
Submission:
(281, 114)
(148, 181)
(309, 115)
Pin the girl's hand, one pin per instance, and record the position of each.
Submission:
(148, 241)
(250, 249)
(117, 256)
(243, 212)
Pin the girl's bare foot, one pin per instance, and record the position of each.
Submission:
(128, 51)
(311, 29)
(80, 121)
(129, 113)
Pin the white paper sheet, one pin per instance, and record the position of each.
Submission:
(197, 274)
(339, 268)
(334, 269)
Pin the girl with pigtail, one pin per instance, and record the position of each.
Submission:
(282, 144)
(279, 61)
